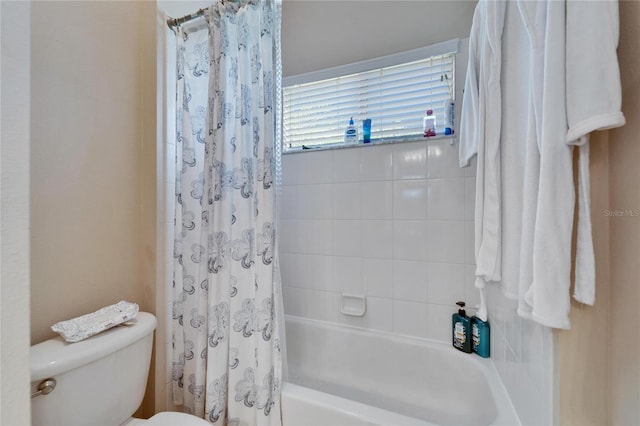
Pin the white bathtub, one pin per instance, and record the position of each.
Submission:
(346, 376)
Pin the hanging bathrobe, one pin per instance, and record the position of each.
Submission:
(480, 134)
(579, 40)
(555, 64)
(546, 297)
(594, 99)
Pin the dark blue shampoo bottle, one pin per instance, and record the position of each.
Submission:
(461, 329)
(480, 336)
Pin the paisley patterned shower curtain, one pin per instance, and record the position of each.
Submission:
(227, 365)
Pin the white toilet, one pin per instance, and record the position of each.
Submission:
(98, 381)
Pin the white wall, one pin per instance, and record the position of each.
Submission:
(319, 34)
(86, 159)
(93, 163)
(15, 56)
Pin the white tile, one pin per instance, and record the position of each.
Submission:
(469, 243)
(446, 241)
(504, 310)
(532, 347)
(410, 161)
(171, 168)
(410, 281)
(446, 199)
(316, 201)
(320, 305)
(498, 350)
(318, 237)
(410, 199)
(377, 199)
(379, 315)
(513, 334)
(346, 165)
(439, 322)
(512, 378)
(294, 300)
(470, 171)
(318, 271)
(469, 198)
(170, 203)
(377, 239)
(442, 160)
(492, 292)
(346, 238)
(346, 201)
(318, 167)
(293, 269)
(471, 294)
(293, 235)
(347, 275)
(545, 380)
(292, 206)
(293, 169)
(168, 351)
(410, 318)
(169, 243)
(446, 283)
(168, 277)
(377, 277)
(410, 240)
(170, 160)
(377, 162)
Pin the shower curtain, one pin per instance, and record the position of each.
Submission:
(227, 365)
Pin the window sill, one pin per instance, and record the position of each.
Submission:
(450, 138)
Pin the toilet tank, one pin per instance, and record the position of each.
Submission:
(100, 380)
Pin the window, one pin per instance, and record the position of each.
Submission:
(393, 91)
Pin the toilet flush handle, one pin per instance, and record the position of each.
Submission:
(45, 387)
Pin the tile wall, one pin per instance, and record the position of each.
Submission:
(395, 223)
(523, 354)
(390, 222)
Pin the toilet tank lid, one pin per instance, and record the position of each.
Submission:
(55, 356)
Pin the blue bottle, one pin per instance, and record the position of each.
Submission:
(481, 337)
(461, 329)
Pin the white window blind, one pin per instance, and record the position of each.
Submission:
(395, 97)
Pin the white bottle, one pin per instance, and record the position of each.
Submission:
(449, 116)
(429, 124)
(351, 133)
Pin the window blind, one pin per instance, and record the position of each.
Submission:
(394, 97)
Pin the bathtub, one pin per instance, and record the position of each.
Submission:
(340, 375)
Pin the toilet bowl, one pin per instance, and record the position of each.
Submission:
(98, 381)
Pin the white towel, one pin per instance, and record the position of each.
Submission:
(519, 149)
(480, 134)
(85, 326)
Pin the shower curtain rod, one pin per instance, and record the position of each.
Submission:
(174, 22)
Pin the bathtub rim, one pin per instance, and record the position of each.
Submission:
(353, 409)
(506, 413)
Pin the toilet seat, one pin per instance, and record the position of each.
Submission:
(171, 418)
